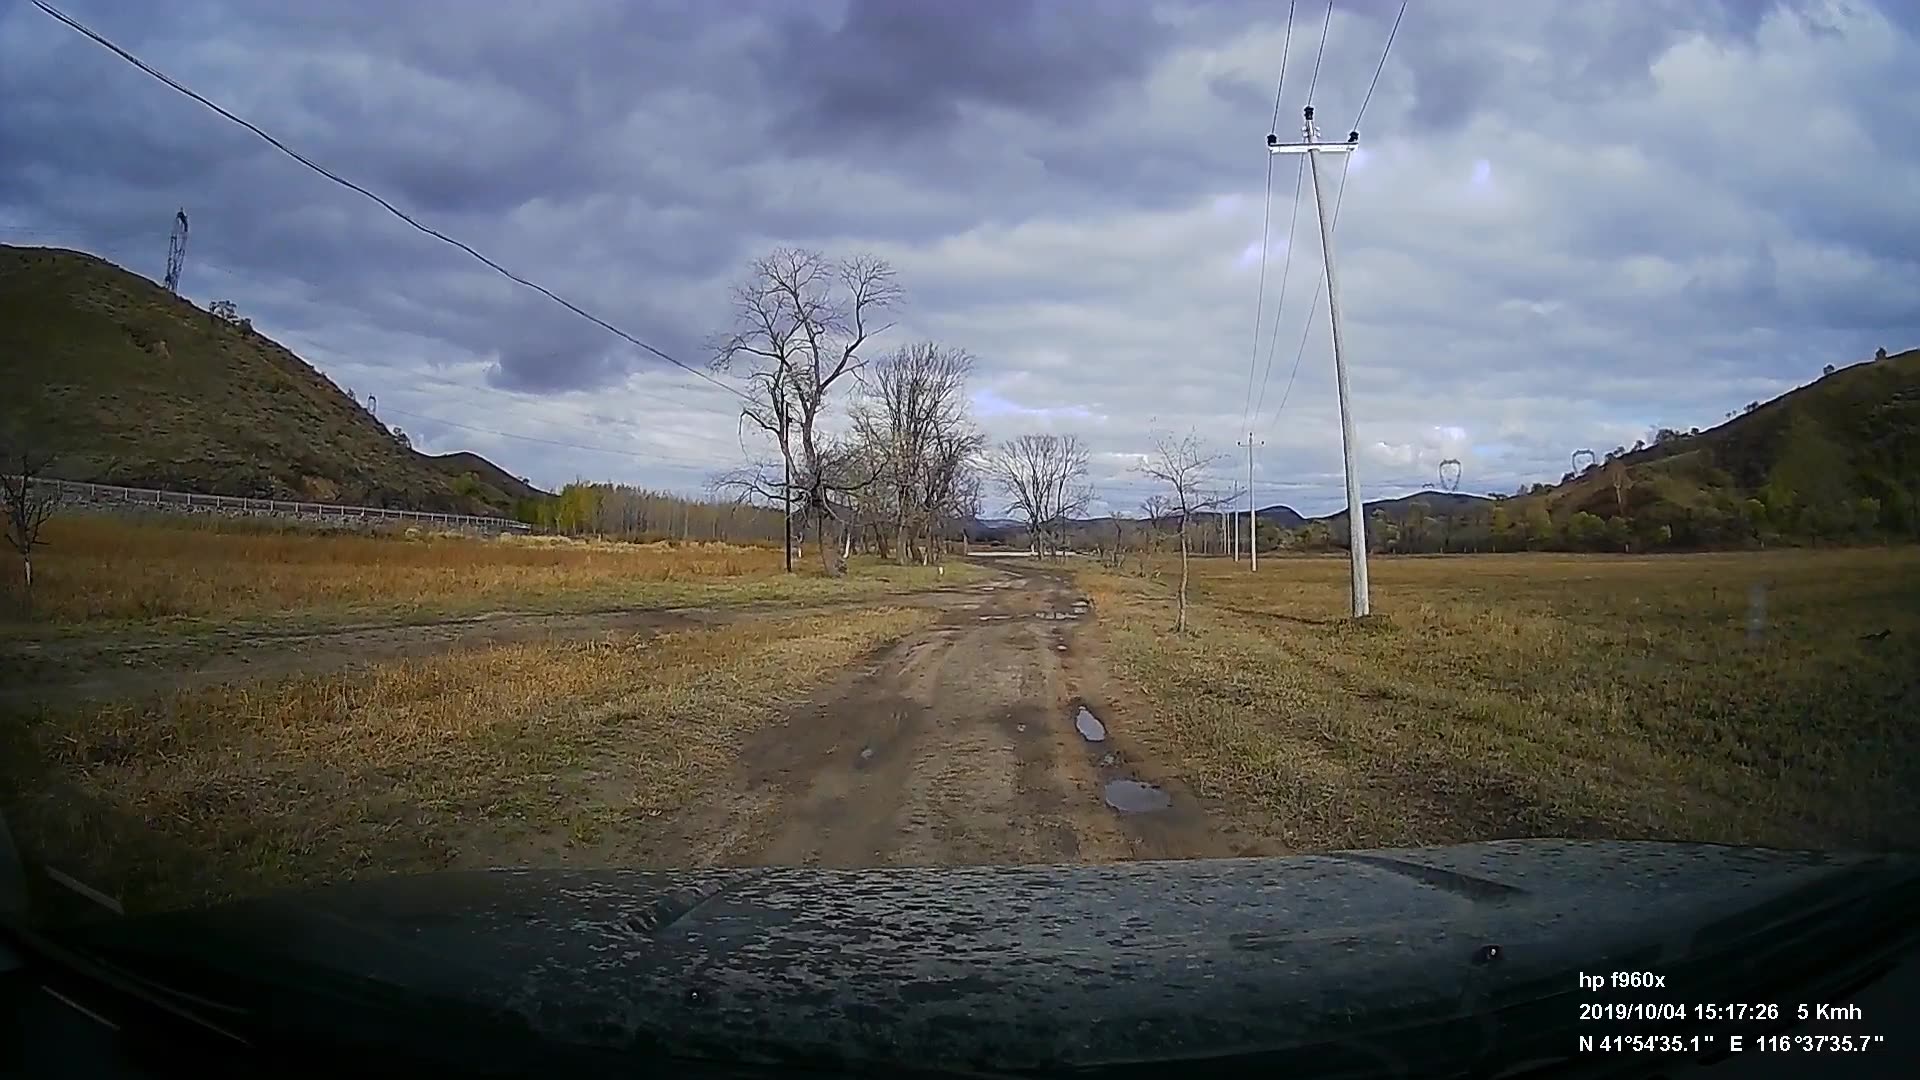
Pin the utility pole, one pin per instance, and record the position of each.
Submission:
(1311, 146)
(176, 251)
(1253, 513)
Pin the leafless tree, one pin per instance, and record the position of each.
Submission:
(24, 458)
(1185, 468)
(1045, 478)
(1153, 511)
(951, 490)
(800, 323)
(912, 420)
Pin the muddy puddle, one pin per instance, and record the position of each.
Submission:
(1119, 790)
(1134, 797)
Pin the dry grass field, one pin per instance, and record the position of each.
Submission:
(1513, 695)
(98, 572)
(476, 757)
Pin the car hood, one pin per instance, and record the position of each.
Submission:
(1397, 957)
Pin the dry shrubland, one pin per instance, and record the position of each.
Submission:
(1766, 697)
(97, 569)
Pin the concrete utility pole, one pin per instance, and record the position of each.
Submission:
(1356, 514)
(1253, 513)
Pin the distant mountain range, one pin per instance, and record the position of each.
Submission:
(1284, 516)
(1835, 460)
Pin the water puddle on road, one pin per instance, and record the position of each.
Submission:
(1057, 616)
(1089, 726)
(1134, 797)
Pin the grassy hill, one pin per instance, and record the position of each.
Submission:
(466, 463)
(1429, 503)
(1836, 459)
(133, 385)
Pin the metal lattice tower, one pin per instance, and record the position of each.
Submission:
(176, 250)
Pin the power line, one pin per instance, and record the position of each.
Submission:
(1339, 196)
(550, 442)
(1266, 216)
(389, 207)
(1312, 305)
(1380, 66)
(1286, 47)
(1321, 50)
(1286, 267)
(442, 390)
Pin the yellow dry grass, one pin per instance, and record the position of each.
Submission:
(99, 570)
(407, 765)
(1522, 695)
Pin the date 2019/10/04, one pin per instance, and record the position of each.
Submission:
(1712, 1012)
(1736, 1012)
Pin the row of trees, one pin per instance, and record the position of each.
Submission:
(902, 469)
(630, 513)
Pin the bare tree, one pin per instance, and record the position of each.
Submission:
(912, 421)
(951, 485)
(29, 503)
(1185, 467)
(800, 323)
(1045, 478)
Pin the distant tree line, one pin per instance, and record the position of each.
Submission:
(622, 512)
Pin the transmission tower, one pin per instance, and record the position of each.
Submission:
(176, 250)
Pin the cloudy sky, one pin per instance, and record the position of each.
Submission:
(1569, 223)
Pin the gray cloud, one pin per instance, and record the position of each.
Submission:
(888, 70)
(1680, 207)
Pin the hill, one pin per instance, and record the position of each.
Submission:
(1837, 459)
(1434, 504)
(1281, 516)
(466, 463)
(133, 385)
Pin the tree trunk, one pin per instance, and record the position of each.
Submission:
(825, 543)
(1180, 622)
(900, 539)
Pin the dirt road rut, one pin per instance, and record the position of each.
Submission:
(954, 746)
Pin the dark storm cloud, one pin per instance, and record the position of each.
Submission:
(907, 69)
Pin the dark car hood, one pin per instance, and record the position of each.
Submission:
(1407, 957)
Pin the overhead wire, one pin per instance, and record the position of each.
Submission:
(1381, 66)
(1286, 268)
(577, 411)
(1318, 54)
(101, 40)
(1339, 198)
(1266, 219)
(1326, 23)
(650, 458)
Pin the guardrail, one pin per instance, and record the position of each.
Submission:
(109, 494)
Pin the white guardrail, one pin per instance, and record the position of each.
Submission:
(79, 492)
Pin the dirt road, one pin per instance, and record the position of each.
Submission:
(959, 745)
